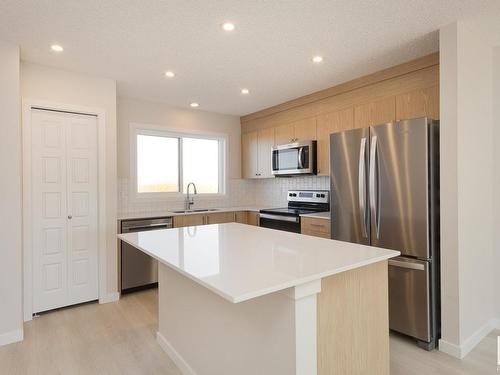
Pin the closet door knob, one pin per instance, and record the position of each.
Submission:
(70, 217)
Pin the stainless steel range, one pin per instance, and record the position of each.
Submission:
(299, 202)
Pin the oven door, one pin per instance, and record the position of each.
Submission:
(280, 222)
(294, 158)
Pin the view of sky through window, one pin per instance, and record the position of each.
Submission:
(157, 164)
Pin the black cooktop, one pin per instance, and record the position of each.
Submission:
(288, 211)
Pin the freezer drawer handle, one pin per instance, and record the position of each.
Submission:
(412, 266)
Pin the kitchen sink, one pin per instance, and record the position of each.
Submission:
(198, 210)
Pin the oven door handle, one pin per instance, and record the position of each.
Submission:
(289, 219)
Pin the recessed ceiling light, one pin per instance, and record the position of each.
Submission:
(228, 26)
(56, 48)
(245, 91)
(170, 74)
(317, 59)
(194, 105)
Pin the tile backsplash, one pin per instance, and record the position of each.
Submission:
(240, 193)
(272, 192)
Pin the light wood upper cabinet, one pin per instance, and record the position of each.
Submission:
(327, 124)
(249, 155)
(256, 153)
(302, 130)
(265, 142)
(284, 134)
(379, 112)
(305, 130)
(418, 103)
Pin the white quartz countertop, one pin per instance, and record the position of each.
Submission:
(318, 215)
(171, 213)
(240, 262)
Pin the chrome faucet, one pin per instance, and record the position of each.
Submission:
(189, 199)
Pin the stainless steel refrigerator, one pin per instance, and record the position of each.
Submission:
(385, 193)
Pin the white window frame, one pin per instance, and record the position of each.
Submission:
(136, 129)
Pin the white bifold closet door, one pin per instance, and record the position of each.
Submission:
(64, 209)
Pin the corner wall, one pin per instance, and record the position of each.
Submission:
(63, 87)
(11, 321)
(467, 183)
(496, 183)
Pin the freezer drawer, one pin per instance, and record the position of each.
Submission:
(409, 302)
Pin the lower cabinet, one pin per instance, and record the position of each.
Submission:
(220, 218)
(315, 227)
(242, 217)
(253, 218)
(189, 220)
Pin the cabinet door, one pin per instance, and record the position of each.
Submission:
(189, 220)
(326, 125)
(265, 142)
(418, 103)
(249, 155)
(284, 134)
(240, 217)
(305, 130)
(220, 218)
(253, 218)
(379, 112)
(315, 227)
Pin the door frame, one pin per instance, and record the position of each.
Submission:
(27, 106)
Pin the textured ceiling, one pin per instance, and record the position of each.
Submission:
(135, 42)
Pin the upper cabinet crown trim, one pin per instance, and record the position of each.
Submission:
(389, 73)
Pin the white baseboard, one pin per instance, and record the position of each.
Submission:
(174, 355)
(11, 337)
(110, 297)
(460, 351)
(449, 348)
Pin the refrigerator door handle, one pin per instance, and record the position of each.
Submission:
(409, 265)
(362, 187)
(374, 190)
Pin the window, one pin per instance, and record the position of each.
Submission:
(167, 162)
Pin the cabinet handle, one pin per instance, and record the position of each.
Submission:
(70, 217)
(316, 225)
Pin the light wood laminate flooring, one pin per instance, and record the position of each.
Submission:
(119, 338)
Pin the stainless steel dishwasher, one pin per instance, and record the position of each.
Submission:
(139, 270)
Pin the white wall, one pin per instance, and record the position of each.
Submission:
(59, 86)
(11, 321)
(496, 183)
(450, 319)
(467, 183)
(239, 192)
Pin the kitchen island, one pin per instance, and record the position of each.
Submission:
(239, 299)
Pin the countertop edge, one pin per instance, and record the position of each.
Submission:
(319, 215)
(172, 214)
(274, 289)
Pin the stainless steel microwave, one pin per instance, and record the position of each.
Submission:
(294, 159)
